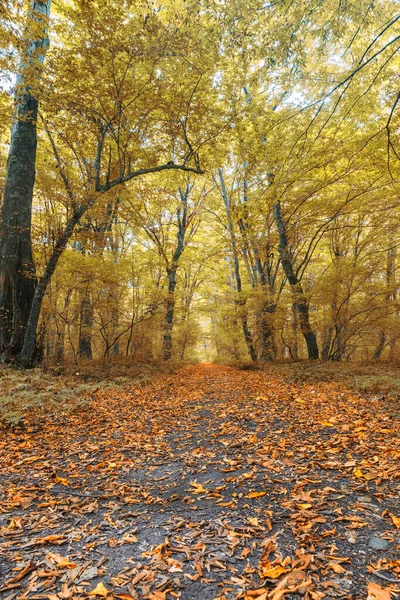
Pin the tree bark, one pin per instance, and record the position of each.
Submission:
(294, 349)
(169, 314)
(183, 220)
(17, 268)
(85, 328)
(299, 298)
(267, 347)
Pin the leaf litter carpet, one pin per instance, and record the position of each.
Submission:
(209, 483)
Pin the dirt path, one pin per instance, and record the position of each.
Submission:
(207, 484)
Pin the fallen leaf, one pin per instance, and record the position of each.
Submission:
(376, 592)
(256, 494)
(396, 520)
(99, 590)
(272, 572)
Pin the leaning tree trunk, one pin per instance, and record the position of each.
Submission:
(299, 298)
(28, 349)
(17, 269)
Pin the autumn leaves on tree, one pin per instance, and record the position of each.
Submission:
(196, 180)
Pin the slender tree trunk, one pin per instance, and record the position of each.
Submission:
(17, 269)
(294, 350)
(60, 343)
(169, 314)
(327, 342)
(267, 347)
(390, 296)
(115, 348)
(380, 346)
(115, 318)
(28, 349)
(299, 298)
(241, 302)
(85, 328)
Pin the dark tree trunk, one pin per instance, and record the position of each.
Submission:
(169, 315)
(267, 346)
(17, 269)
(299, 298)
(182, 218)
(28, 349)
(301, 304)
(85, 328)
(380, 347)
(246, 331)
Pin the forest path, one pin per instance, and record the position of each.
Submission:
(209, 483)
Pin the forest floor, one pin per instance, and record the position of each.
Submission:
(208, 483)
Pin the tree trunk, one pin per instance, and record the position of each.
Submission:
(294, 349)
(169, 314)
(327, 342)
(85, 328)
(390, 295)
(380, 346)
(299, 298)
(246, 330)
(241, 302)
(115, 324)
(17, 269)
(267, 347)
(60, 343)
(28, 349)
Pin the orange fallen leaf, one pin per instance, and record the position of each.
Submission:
(376, 592)
(396, 520)
(256, 494)
(61, 480)
(99, 590)
(158, 596)
(292, 582)
(260, 594)
(199, 489)
(272, 572)
(358, 473)
(61, 561)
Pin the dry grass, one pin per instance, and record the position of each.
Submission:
(372, 378)
(54, 392)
